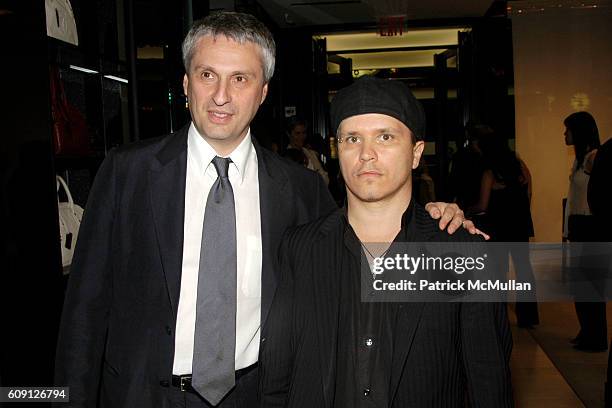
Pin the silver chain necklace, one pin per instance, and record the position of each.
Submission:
(373, 257)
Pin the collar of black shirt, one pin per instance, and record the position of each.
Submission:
(408, 231)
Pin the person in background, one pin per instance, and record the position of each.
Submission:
(297, 156)
(297, 133)
(423, 187)
(580, 225)
(505, 198)
(467, 167)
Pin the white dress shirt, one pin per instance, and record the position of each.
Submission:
(201, 175)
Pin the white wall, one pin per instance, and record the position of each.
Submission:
(562, 64)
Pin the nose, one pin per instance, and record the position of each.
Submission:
(221, 96)
(368, 151)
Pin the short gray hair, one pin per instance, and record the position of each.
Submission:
(239, 27)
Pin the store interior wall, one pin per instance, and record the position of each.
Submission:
(562, 60)
(30, 275)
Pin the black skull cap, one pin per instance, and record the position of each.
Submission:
(376, 95)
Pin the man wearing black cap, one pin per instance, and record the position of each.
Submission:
(323, 346)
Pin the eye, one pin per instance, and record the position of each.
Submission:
(240, 80)
(351, 139)
(385, 137)
(206, 75)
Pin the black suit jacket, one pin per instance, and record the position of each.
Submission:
(116, 340)
(599, 195)
(444, 353)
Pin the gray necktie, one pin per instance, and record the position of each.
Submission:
(213, 373)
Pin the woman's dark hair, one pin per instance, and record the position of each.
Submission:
(502, 161)
(296, 155)
(585, 135)
(293, 122)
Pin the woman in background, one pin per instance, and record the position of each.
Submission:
(297, 133)
(579, 226)
(505, 197)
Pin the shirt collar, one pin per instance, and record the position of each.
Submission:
(203, 152)
(406, 234)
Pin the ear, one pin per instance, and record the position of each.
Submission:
(264, 93)
(417, 152)
(185, 84)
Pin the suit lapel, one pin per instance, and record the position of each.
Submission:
(275, 214)
(167, 181)
(418, 226)
(326, 284)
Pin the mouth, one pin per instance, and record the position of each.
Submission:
(219, 117)
(369, 173)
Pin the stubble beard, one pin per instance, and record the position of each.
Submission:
(369, 194)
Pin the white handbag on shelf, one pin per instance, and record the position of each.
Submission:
(70, 215)
(60, 21)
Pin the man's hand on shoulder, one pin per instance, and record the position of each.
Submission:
(451, 218)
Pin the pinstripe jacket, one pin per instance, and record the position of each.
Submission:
(445, 354)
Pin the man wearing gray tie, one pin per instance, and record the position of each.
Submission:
(176, 265)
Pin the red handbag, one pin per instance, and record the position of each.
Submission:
(70, 131)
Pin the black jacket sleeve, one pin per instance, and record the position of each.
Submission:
(599, 194)
(486, 343)
(326, 201)
(277, 347)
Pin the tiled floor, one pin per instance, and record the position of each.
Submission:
(584, 372)
(547, 371)
(537, 382)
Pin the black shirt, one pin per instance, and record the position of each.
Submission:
(366, 330)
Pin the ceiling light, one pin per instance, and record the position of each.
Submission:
(86, 70)
(114, 78)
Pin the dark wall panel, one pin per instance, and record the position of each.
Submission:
(31, 283)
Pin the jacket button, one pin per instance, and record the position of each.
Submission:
(164, 383)
(169, 330)
(263, 339)
(366, 392)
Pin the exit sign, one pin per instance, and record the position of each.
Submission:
(390, 26)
